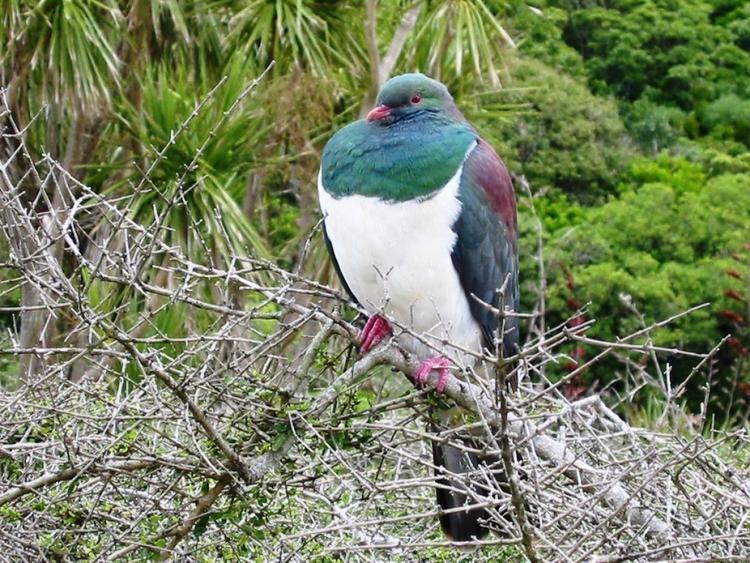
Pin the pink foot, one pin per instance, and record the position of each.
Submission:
(440, 363)
(376, 328)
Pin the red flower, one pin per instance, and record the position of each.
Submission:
(735, 274)
(734, 342)
(732, 316)
(578, 320)
(732, 294)
(737, 345)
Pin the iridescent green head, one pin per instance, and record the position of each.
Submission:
(409, 94)
(412, 143)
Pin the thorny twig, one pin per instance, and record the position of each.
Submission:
(185, 441)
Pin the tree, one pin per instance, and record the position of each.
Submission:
(103, 88)
(193, 392)
(660, 248)
(561, 136)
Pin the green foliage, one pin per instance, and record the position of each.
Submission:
(198, 179)
(662, 247)
(69, 49)
(564, 137)
(685, 66)
(650, 48)
(454, 35)
(655, 127)
(292, 32)
(652, 233)
(539, 37)
(728, 117)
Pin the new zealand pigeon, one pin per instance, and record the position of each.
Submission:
(420, 220)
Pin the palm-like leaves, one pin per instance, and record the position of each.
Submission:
(199, 160)
(66, 48)
(455, 30)
(125, 79)
(288, 31)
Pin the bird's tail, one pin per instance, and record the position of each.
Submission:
(457, 473)
(463, 478)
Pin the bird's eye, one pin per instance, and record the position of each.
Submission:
(416, 98)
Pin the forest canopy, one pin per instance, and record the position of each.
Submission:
(169, 153)
(630, 122)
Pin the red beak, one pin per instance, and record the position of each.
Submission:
(378, 112)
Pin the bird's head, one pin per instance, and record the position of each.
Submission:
(409, 94)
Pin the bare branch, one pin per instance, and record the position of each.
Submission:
(196, 433)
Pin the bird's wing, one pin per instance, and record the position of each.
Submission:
(486, 251)
(336, 266)
(485, 256)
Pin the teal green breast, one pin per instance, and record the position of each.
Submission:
(408, 159)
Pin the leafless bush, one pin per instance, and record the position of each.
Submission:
(217, 408)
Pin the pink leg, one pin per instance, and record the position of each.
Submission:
(440, 363)
(376, 328)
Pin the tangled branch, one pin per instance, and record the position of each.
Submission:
(206, 409)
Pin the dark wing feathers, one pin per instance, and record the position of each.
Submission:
(486, 258)
(336, 266)
(486, 251)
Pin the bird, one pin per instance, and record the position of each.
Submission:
(420, 221)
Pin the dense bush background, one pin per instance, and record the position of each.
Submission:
(174, 382)
(647, 223)
(630, 120)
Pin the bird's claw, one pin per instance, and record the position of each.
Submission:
(376, 328)
(440, 363)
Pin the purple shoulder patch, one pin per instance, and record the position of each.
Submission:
(488, 171)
